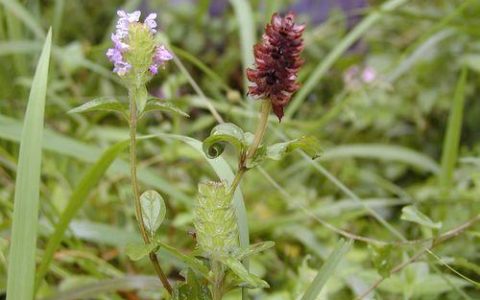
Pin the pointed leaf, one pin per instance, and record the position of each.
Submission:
(138, 251)
(221, 134)
(101, 104)
(158, 104)
(190, 261)
(249, 280)
(153, 210)
(21, 264)
(309, 144)
(256, 248)
(412, 214)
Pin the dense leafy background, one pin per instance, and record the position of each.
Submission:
(383, 143)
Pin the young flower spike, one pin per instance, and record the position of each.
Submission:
(277, 61)
(135, 48)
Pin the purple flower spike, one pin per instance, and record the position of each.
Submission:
(151, 23)
(121, 68)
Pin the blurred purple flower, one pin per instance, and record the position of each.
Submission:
(151, 23)
(159, 58)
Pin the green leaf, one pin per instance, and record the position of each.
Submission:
(248, 279)
(309, 144)
(327, 270)
(256, 248)
(102, 104)
(21, 267)
(153, 210)
(412, 214)
(451, 141)
(155, 104)
(190, 261)
(384, 258)
(221, 134)
(138, 251)
(80, 194)
(193, 288)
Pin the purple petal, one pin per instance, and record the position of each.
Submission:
(153, 69)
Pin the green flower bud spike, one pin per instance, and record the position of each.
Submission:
(215, 221)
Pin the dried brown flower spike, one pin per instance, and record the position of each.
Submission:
(277, 61)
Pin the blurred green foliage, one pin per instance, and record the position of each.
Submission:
(383, 139)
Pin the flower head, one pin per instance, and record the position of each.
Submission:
(277, 61)
(134, 47)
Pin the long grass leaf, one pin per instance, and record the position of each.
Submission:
(327, 270)
(383, 152)
(336, 52)
(454, 130)
(89, 180)
(21, 267)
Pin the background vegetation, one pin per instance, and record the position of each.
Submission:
(400, 173)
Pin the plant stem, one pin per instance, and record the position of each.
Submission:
(261, 128)
(218, 274)
(136, 193)
(257, 140)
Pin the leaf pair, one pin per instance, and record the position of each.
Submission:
(111, 104)
(229, 133)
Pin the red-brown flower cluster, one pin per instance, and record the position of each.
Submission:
(277, 61)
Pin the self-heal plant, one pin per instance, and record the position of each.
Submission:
(218, 264)
(277, 61)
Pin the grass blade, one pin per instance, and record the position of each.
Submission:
(21, 267)
(79, 195)
(454, 130)
(336, 52)
(327, 270)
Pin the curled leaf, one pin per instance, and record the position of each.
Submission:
(214, 145)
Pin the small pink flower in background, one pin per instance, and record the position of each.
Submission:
(369, 75)
(354, 77)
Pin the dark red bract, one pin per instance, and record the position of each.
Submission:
(277, 61)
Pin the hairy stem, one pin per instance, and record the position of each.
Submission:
(261, 128)
(136, 193)
(218, 273)
(257, 140)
